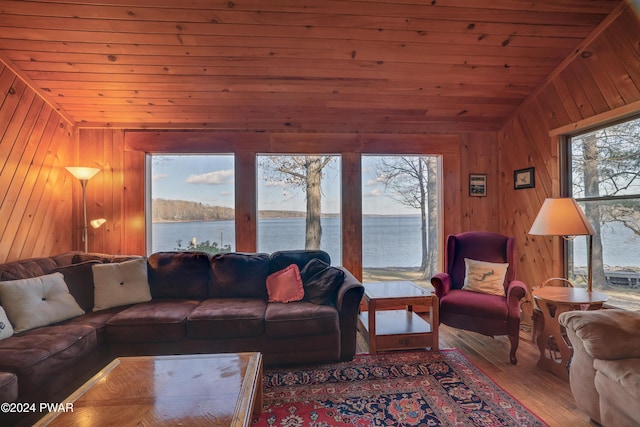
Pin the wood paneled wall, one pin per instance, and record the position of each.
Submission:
(600, 82)
(35, 189)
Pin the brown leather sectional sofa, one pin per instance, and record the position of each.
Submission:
(200, 304)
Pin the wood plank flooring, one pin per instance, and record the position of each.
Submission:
(543, 393)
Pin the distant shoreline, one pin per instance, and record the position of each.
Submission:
(297, 214)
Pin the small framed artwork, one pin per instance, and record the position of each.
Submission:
(477, 185)
(524, 178)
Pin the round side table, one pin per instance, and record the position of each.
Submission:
(555, 350)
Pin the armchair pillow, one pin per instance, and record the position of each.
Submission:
(485, 277)
(119, 284)
(285, 285)
(38, 301)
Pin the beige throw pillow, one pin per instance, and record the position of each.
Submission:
(38, 301)
(119, 284)
(485, 277)
(6, 330)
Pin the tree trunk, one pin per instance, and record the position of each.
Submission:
(592, 210)
(313, 226)
(432, 209)
(423, 212)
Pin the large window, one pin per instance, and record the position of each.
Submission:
(192, 203)
(400, 218)
(604, 177)
(299, 203)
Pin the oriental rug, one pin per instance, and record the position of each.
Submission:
(392, 389)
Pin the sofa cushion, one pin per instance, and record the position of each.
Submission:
(79, 280)
(38, 301)
(300, 319)
(474, 304)
(27, 268)
(239, 275)
(321, 281)
(8, 387)
(179, 275)
(281, 259)
(120, 284)
(40, 353)
(285, 285)
(97, 320)
(227, 318)
(6, 330)
(154, 321)
(624, 372)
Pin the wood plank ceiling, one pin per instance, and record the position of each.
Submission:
(310, 65)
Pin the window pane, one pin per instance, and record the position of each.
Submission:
(299, 203)
(192, 203)
(605, 169)
(400, 214)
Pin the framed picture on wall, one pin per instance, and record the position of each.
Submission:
(477, 185)
(524, 178)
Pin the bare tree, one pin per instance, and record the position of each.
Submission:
(413, 182)
(606, 163)
(303, 172)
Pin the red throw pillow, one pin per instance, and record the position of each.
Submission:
(285, 285)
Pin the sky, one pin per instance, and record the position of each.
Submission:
(209, 179)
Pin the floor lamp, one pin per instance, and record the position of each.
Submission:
(563, 217)
(84, 175)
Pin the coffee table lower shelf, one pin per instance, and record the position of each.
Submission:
(398, 330)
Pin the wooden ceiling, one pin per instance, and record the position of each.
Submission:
(308, 65)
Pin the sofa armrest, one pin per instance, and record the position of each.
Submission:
(605, 334)
(348, 305)
(441, 282)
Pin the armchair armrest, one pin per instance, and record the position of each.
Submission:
(441, 282)
(515, 292)
(605, 334)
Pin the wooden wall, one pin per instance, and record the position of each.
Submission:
(600, 82)
(35, 189)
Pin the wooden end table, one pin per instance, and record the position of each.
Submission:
(555, 351)
(194, 390)
(390, 322)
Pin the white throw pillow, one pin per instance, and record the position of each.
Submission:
(6, 330)
(121, 283)
(485, 277)
(38, 301)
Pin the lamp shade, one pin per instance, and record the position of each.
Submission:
(561, 217)
(82, 173)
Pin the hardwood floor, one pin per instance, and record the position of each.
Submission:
(543, 393)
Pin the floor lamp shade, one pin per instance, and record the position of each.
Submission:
(83, 174)
(563, 217)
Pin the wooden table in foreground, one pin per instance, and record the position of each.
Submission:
(555, 351)
(385, 327)
(191, 390)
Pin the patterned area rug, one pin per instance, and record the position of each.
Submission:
(393, 389)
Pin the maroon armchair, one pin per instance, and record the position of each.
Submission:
(475, 311)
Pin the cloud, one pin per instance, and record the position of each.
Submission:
(159, 176)
(377, 180)
(226, 193)
(270, 183)
(374, 193)
(212, 178)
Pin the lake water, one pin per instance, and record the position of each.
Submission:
(387, 241)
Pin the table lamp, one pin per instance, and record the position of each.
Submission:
(84, 174)
(563, 217)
